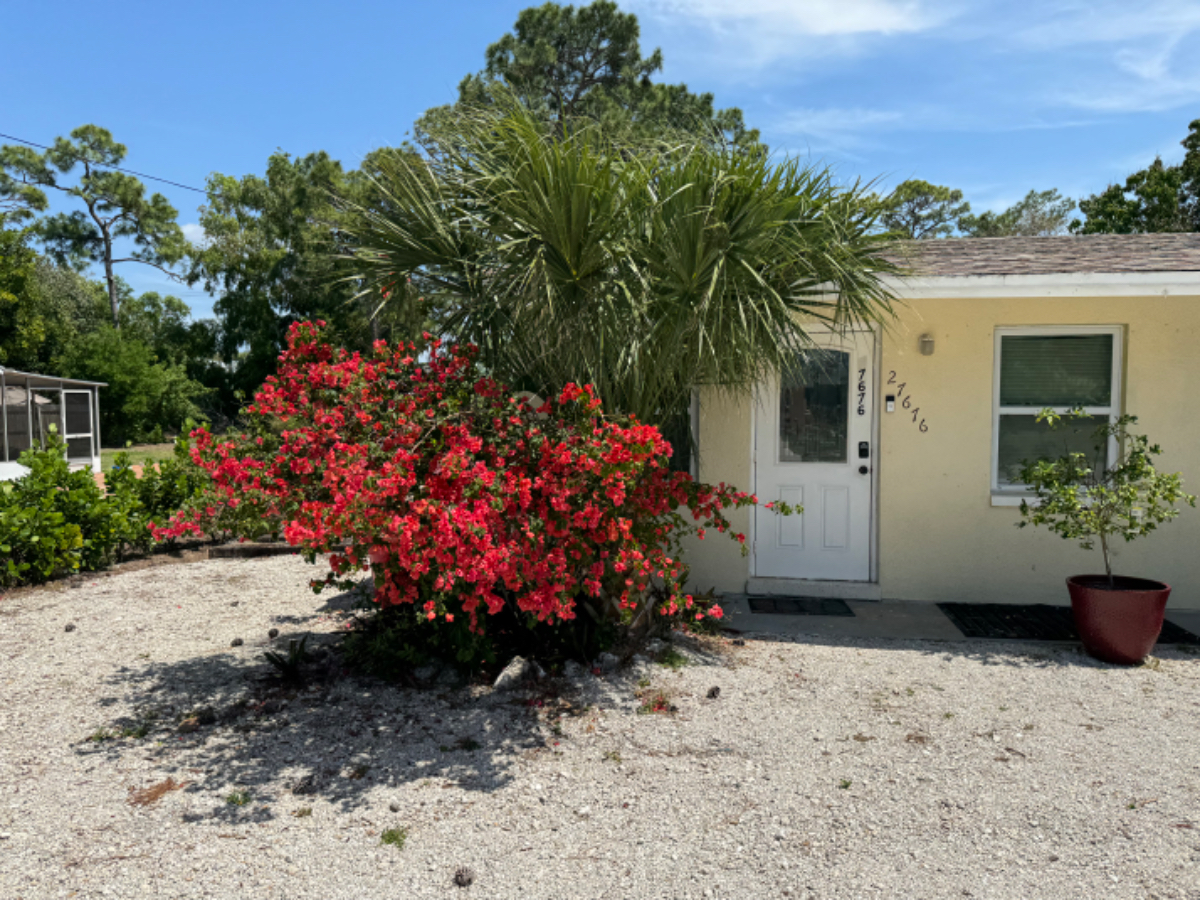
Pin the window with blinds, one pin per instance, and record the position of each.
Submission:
(1058, 368)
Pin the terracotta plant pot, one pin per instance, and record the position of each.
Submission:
(1118, 624)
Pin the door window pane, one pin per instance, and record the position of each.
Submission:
(1025, 439)
(1056, 370)
(814, 407)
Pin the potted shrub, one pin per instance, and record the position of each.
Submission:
(1118, 617)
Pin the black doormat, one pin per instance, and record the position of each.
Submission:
(1034, 622)
(799, 606)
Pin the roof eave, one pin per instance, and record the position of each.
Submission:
(1057, 284)
(49, 379)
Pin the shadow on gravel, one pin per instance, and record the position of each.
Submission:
(228, 724)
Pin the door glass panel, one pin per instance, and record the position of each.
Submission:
(814, 408)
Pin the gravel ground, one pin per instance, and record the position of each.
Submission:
(867, 769)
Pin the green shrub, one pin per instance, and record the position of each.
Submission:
(36, 541)
(54, 521)
(165, 485)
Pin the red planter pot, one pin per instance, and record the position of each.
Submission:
(1118, 624)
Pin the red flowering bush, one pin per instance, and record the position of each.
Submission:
(457, 496)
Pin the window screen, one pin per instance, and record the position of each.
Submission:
(1056, 370)
(78, 408)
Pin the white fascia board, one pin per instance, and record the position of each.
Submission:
(1069, 284)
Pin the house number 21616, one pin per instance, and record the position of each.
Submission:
(862, 392)
(906, 402)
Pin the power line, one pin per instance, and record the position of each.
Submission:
(107, 166)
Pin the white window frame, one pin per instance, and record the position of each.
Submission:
(1013, 494)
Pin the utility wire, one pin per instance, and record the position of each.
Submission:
(107, 166)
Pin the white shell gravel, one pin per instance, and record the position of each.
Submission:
(875, 769)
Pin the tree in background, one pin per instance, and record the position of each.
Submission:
(42, 306)
(272, 238)
(19, 337)
(1039, 214)
(145, 396)
(1158, 198)
(644, 270)
(19, 201)
(919, 210)
(116, 203)
(55, 322)
(567, 64)
(270, 256)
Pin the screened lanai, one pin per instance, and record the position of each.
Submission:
(33, 404)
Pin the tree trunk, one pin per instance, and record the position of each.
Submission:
(1107, 564)
(112, 282)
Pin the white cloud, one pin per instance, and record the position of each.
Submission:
(1145, 76)
(1065, 24)
(195, 234)
(803, 17)
(752, 34)
(837, 129)
(1123, 54)
(851, 128)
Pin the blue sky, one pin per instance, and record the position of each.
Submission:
(995, 98)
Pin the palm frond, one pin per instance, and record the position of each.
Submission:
(644, 270)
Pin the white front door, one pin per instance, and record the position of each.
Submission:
(813, 448)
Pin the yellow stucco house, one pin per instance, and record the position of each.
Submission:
(902, 443)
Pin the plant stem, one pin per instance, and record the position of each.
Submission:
(1107, 564)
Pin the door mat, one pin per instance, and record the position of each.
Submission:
(1033, 622)
(799, 606)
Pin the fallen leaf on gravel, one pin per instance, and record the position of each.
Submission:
(150, 795)
(915, 738)
(1183, 825)
(863, 738)
(1015, 752)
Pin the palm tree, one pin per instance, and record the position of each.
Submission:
(645, 270)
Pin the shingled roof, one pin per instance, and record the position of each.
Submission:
(1053, 255)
